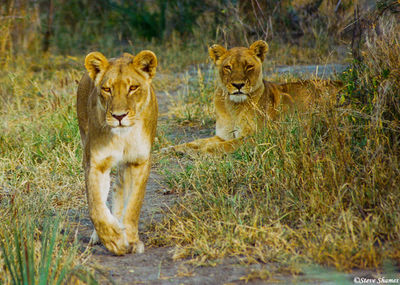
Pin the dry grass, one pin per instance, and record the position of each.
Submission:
(307, 192)
(40, 136)
(40, 148)
(382, 70)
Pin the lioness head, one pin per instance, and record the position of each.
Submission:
(240, 69)
(123, 85)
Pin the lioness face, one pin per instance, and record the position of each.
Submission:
(240, 69)
(123, 85)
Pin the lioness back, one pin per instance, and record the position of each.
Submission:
(117, 115)
(307, 91)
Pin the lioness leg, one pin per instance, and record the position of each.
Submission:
(116, 208)
(104, 185)
(134, 184)
(197, 145)
(106, 225)
(118, 196)
(222, 146)
(214, 144)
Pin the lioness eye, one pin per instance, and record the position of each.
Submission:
(106, 89)
(227, 68)
(250, 67)
(133, 87)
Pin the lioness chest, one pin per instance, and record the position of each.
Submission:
(235, 120)
(128, 145)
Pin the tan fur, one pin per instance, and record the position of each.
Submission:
(244, 102)
(117, 113)
(308, 91)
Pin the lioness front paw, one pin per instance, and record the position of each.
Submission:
(113, 236)
(117, 244)
(133, 238)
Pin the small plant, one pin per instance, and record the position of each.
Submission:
(40, 255)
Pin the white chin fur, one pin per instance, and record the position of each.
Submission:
(238, 98)
(121, 131)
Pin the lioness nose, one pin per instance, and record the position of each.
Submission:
(238, 85)
(119, 117)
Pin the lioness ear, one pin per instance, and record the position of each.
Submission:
(215, 52)
(146, 61)
(260, 48)
(95, 62)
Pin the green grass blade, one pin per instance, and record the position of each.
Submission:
(21, 262)
(47, 258)
(31, 254)
(43, 253)
(13, 263)
(8, 263)
(58, 257)
(17, 253)
(66, 266)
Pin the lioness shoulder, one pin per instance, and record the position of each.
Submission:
(117, 114)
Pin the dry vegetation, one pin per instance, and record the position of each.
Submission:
(320, 187)
(40, 160)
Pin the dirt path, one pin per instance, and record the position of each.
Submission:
(155, 265)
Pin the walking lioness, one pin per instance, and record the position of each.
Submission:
(117, 114)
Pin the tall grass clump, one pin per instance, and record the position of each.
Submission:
(374, 82)
(37, 251)
(319, 187)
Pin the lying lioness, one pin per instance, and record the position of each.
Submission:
(117, 114)
(244, 102)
